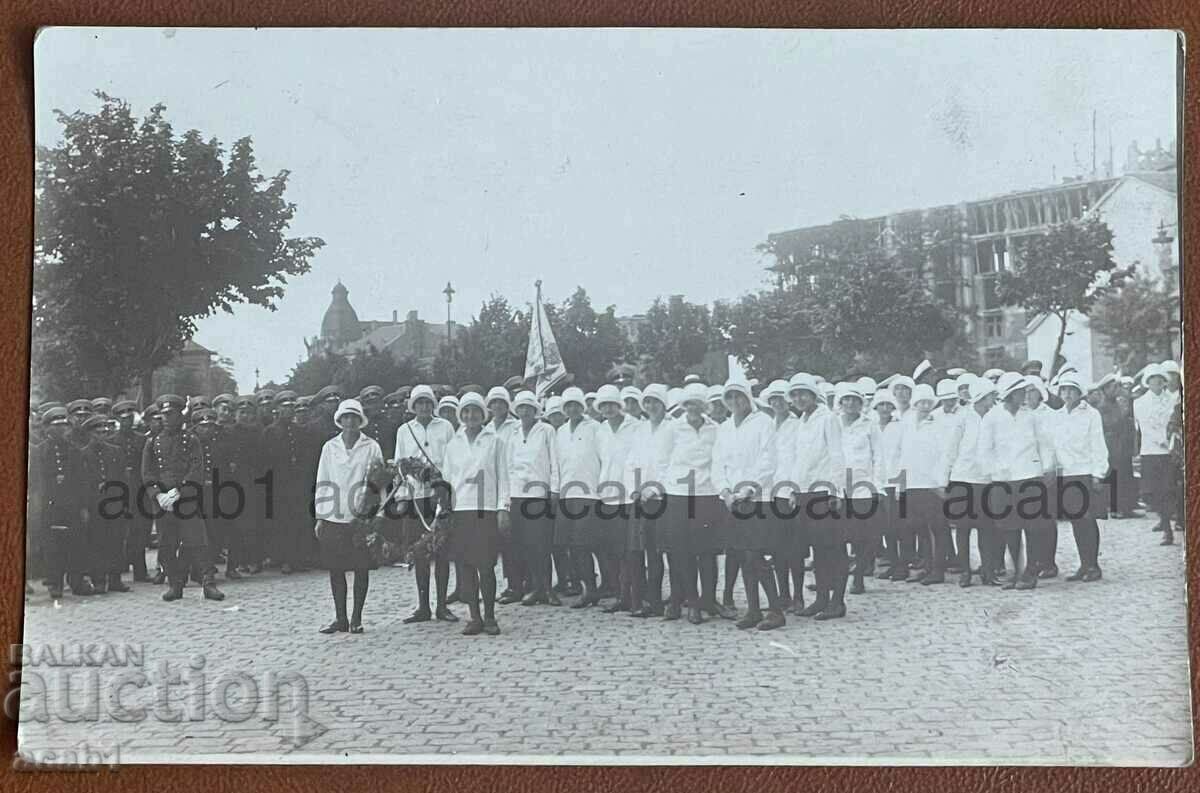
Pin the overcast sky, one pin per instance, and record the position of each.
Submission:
(634, 163)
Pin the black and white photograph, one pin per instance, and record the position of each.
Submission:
(612, 396)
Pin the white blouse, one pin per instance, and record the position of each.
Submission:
(1079, 446)
(1152, 414)
(533, 470)
(923, 453)
(646, 463)
(965, 452)
(579, 459)
(614, 448)
(742, 455)
(689, 455)
(889, 452)
(341, 487)
(862, 447)
(414, 439)
(818, 462)
(1013, 448)
(477, 471)
(782, 452)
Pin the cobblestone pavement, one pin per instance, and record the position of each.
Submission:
(1066, 674)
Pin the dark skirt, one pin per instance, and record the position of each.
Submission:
(893, 519)
(641, 530)
(862, 519)
(474, 538)
(339, 551)
(1020, 504)
(691, 525)
(532, 525)
(1155, 483)
(822, 524)
(923, 511)
(791, 533)
(1080, 498)
(613, 523)
(576, 524)
(751, 526)
(964, 506)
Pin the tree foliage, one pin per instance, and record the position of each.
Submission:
(590, 341)
(1135, 323)
(369, 367)
(1065, 270)
(674, 339)
(487, 351)
(139, 232)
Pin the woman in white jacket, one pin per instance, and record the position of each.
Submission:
(862, 508)
(533, 475)
(741, 472)
(1081, 455)
(925, 474)
(615, 437)
(645, 466)
(476, 469)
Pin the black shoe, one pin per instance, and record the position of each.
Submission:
(491, 628)
(933, 578)
(749, 620)
(672, 612)
(444, 614)
(84, 589)
(473, 628)
(117, 585)
(857, 588)
(898, 573)
(694, 616)
(773, 620)
(174, 593)
(1093, 574)
(590, 598)
(335, 627)
(1011, 582)
(1078, 574)
(420, 615)
(552, 599)
(727, 600)
(883, 573)
(657, 609)
(832, 613)
(643, 613)
(533, 599)
(510, 596)
(918, 578)
(159, 579)
(356, 627)
(212, 593)
(1027, 581)
(1168, 539)
(964, 580)
(1048, 572)
(453, 598)
(814, 608)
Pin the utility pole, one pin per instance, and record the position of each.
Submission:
(449, 293)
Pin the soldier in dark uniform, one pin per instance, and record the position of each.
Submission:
(285, 447)
(79, 410)
(266, 406)
(108, 504)
(394, 406)
(131, 443)
(249, 544)
(102, 405)
(213, 452)
(371, 399)
(63, 514)
(300, 414)
(223, 405)
(152, 418)
(172, 469)
(320, 414)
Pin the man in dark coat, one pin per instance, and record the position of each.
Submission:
(242, 461)
(63, 513)
(285, 447)
(131, 443)
(108, 502)
(172, 467)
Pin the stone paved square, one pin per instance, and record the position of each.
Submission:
(1066, 674)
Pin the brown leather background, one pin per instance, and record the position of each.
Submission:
(19, 19)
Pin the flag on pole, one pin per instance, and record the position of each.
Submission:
(543, 363)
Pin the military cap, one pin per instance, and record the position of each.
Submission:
(404, 391)
(98, 422)
(151, 410)
(199, 403)
(370, 392)
(222, 399)
(102, 404)
(165, 401)
(54, 415)
(124, 405)
(265, 396)
(245, 401)
(328, 392)
(204, 416)
(43, 407)
(394, 399)
(285, 395)
(513, 382)
(303, 402)
(75, 405)
(471, 389)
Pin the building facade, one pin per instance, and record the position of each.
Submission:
(966, 245)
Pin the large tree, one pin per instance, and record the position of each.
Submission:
(1135, 324)
(590, 341)
(139, 233)
(674, 339)
(1061, 272)
(489, 350)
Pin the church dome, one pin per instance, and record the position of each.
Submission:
(340, 325)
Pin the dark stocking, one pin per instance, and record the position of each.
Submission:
(732, 563)
(487, 588)
(362, 580)
(337, 584)
(708, 578)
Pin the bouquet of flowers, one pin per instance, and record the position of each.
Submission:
(437, 531)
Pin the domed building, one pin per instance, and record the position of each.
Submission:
(340, 326)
